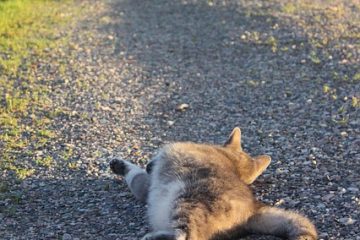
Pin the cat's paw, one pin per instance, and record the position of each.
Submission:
(118, 166)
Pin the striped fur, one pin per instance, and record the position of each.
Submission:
(201, 192)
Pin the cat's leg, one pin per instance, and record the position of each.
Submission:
(136, 178)
(282, 223)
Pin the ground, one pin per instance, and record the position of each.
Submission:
(133, 75)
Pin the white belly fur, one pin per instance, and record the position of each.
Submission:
(161, 203)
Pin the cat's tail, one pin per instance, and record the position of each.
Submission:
(282, 223)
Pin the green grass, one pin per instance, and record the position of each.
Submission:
(26, 26)
(29, 30)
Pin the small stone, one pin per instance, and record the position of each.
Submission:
(39, 153)
(336, 178)
(67, 236)
(306, 162)
(353, 189)
(281, 171)
(311, 157)
(280, 202)
(182, 107)
(118, 100)
(344, 134)
(124, 194)
(321, 205)
(342, 190)
(170, 123)
(323, 235)
(347, 221)
(327, 197)
(106, 108)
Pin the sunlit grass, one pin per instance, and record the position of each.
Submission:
(29, 29)
(27, 26)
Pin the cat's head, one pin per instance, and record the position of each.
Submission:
(249, 168)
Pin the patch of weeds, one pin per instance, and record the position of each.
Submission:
(273, 43)
(40, 143)
(289, 8)
(28, 30)
(82, 84)
(84, 115)
(314, 57)
(356, 77)
(17, 144)
(13, 132)
(355, 102)
(342, 120)
(46, 133)
(15, 103)
(326, 88)
(73, 165)
(252, 83)
(45, 162)
(7, 120)
(253, 37)
(97, 154)
(56, 113)
(67, 153)
(23, 173)
(97, 105)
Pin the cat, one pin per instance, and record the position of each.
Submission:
(200, 192)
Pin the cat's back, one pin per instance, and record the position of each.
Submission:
(201, 167)
(188, 155)
(188, 174)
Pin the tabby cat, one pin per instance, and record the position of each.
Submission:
(200, 192)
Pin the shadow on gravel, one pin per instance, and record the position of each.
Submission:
(220, 60)
(58, 208)
(238, 68)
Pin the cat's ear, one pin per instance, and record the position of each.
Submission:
(234, 141)
(261, 162)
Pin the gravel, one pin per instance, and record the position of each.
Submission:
(143, 73)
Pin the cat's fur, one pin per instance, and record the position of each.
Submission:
(201, 192)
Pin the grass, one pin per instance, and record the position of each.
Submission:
(29, 30)
(27, 27)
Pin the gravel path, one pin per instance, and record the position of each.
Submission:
(132, 64)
